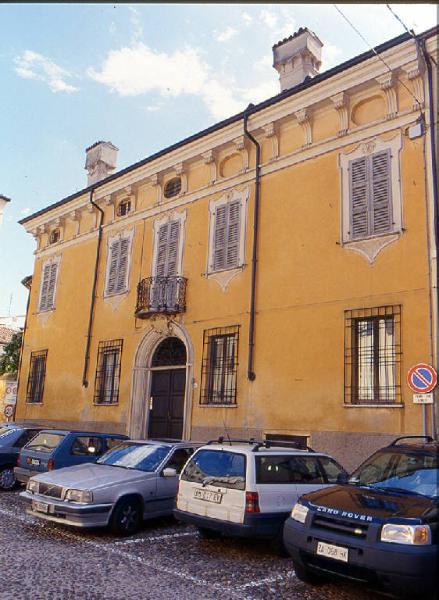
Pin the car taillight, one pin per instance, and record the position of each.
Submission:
(252, 502)
(28, 460)
(50, 464)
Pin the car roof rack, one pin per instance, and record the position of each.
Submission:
(258, 444)
(411, 437)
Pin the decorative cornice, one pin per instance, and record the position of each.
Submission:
(340, 102)
(387, 84)
(270, 132)
(240, 146)
(209, 158)
(302, 117)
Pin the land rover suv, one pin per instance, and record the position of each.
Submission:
(247, 488)
(381, 527)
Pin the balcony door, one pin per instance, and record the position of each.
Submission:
(166, 405)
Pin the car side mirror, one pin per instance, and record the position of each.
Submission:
(169, 472)
(342, 478)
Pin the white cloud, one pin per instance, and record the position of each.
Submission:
(24, 211)
(330, 56)
(264, 63)
(31, 65)
(136, 23)
(248, 19)
(227, 34)
(268, 18)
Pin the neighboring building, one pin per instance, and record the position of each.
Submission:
(3, 201)
(6, 334)
(141, 309)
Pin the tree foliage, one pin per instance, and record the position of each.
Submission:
(9, 361)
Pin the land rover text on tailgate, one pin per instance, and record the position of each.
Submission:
(382, 527)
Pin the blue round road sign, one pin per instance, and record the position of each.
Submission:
(422, 378)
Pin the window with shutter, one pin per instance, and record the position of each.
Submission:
(48, 285)
(118, 265)
(227, 236)
(167, 249)
(370, 195)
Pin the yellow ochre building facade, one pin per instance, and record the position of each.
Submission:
(194, 295)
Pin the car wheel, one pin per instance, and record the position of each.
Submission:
(7, 479)
(305, 574)
(126, 517)
(208, 534)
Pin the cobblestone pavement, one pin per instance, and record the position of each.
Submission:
(166, 560)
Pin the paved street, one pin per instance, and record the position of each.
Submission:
(164, 561)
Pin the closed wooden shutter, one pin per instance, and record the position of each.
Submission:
(233, 227)
(112, 269)
(167, 249)
(118, 267)
(220, 237)
(380, 193)
(44, 286)
(358, 195)
(48, 283)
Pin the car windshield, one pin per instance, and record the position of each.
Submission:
(406, 472)
(45, 442)
(142, 457)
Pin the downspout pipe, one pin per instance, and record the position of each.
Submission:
(20, 360)
(93, 292)
(251, 375)
(431, 107)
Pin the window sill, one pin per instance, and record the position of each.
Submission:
(113, 294)
(33, 403)
(224, 277)
(379, 405)
(44, 311)
(105, 403)
(217, 405)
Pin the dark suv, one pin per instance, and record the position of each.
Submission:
(12, 438)
(381, 527)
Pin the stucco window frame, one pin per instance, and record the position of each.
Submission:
(169, 218)
(370, 245)
(52, 260)
(125, 234)
(223, 276)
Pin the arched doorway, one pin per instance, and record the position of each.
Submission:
(168, 384)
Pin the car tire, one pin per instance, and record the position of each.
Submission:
(208, 534)
(7, 479)
(305, 574)
(126, 517)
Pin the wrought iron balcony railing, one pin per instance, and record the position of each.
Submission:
(166, 295)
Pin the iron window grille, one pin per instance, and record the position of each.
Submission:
(173, 187)
(220, 366)
(373, 355)
(123, 208)
(37, 374)
(108, 372)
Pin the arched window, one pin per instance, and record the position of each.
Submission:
(123, 208)
(170, 352)
(54, 236)
(173, 187)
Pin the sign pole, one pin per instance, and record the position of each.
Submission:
(422, 378)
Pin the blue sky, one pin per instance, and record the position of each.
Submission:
(141, 76)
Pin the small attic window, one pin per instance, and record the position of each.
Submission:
(124, 208)
(173, 187)
(54, 236)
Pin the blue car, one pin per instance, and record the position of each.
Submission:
(56, 448)
(12, 438)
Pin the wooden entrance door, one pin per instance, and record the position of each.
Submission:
(167, 404)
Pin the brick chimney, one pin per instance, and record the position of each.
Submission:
(297, 57)
(100, 161)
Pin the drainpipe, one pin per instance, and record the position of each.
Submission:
(20, 360)
(251, 375)
(431, 106)
(93, 293)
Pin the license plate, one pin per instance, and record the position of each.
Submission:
(34, 461)
(330, 551)
(208, 496)
(40, 506)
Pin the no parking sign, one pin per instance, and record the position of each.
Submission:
(422, 378)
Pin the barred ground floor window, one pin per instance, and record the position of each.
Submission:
(373, 355)
(108, 372)
(37, 375)
(220, 365)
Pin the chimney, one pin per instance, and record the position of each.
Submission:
(297, 57)
(100, 161)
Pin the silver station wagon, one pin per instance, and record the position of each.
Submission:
(133, 481)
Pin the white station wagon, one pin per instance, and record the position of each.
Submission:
(248, 488)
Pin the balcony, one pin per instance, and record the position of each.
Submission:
(161, 295)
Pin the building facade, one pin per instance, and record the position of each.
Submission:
(193, 294)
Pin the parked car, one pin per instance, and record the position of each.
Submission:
(382, 527)
(247, 488)
(135, 480)
(12, 439)
(56, 448)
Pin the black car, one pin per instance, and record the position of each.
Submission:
(12, 439)
(381, 527)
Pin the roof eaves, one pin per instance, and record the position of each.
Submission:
(234, 118)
